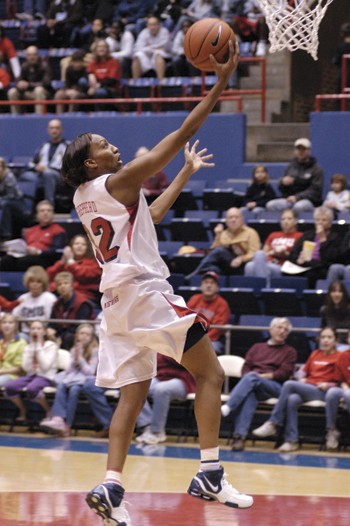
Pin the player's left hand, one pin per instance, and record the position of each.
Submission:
(196, 160)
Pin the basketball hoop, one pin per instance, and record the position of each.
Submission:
(294, 24)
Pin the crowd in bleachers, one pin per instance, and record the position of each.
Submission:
(66, 50)
(272, 249)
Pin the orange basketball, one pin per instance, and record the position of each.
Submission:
(209, 36)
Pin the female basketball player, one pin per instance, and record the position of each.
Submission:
(141, 315)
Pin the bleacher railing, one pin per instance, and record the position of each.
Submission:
(345, 89)
(138, 101)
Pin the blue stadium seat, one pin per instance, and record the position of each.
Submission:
(313, 301)
(186, 229)
(15, 281)
(248, 282)
(281, 302)
(242, 300)
(218, 198)
(299, 283)
(186, 292)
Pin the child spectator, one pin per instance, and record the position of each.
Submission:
(83, 363)
(11, 349)
(70, 305)
(78, 259)
(104, 74)
(260, 191)
(335, 312)
(338, 198)
(37, 302)
(213, 307)
(39, 362)
(75, 81)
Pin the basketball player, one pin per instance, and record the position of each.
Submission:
(141, 315)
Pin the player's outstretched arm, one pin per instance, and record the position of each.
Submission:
(125, 184)
(194, 161)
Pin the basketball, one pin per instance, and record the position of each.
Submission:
(209, 36)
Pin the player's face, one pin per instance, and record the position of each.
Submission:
(105, 156)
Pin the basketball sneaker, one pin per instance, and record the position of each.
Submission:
(212, 485)
(106, 500)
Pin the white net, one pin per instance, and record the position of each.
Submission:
(294, 24)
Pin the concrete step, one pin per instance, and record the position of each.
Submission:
(274, 151)
(273, 142)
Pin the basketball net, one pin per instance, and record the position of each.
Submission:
(294, 24)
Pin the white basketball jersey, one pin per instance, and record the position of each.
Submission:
(124, 239)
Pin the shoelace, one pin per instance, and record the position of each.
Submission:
(226, 486)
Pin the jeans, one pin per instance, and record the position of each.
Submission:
(333, 397)
(260, 267)
(162, 394)
(98, 402)
(293, 394)
(11, 218)
(218, 260)
(244, 398)
(66, 401)
(304, 205)
(47, 179)
(34, 385)
(338, 271)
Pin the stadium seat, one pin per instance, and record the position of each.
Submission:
(247, 282)
(277, 302)
(186, 201)
(313, 301)
(186, 263)
(218, 198)
(29, 189)
(299, 283)
(241, 300)
(14, 280)
(186, 292)
(186, 229)
(204, 215)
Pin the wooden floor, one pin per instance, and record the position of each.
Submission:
(43, 481)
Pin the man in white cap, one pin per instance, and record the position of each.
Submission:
(302, 182)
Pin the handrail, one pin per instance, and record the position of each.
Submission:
(259, 91)
(344, 87)
(331, 96)
(139, 101)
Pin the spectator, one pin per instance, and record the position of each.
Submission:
(172, 382)
(39, 363)
(343, 48)
(83, 363)
(267, 263)
(337, 394)
(78, 259)
(8, 55)
(46, 164)
(41, 241)
(33, 83)
(33, 9)
(104, 74)
(302, 183)
(340, 267)
(121, 45)
(338, 198)
(250, 25)
(316, 376)
(131, 14)
(198, 9)
(315, 249)
(5, 80)
(99, 404)
(179, 64)
(7, 305)
(156, 184)
(267, 366)
(152, 50)
(11, 349)
(85, 37)
(70, 305)
(11, 204)
(169, 12)
(62, 17)
(38, 301)
(232, 247)
(75, 82)
(260, 191)
(335, 312)
(213, 307)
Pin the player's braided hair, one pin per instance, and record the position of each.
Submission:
(73, 170)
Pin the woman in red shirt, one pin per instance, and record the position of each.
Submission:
(104, 74)
(77, 259)
(315, 378)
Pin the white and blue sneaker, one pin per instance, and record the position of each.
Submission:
(106, 500)
(212, 485)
